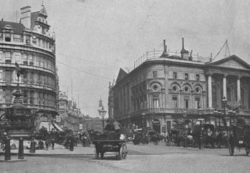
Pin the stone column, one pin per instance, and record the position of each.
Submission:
(209, 90)
(238, 90)
(225, 86)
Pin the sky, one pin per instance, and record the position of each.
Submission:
(95, 38)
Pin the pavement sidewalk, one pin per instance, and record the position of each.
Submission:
(57, 151)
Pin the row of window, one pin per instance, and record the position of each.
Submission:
(197, 103)
(29, 97)
(28, 78)
(34, 41)
(186, 76)
(140, 104)
(27, 59)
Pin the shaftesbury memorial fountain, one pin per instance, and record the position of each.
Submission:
(20, 119)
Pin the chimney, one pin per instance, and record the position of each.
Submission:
(26, 16)
(184, 53)
(164, 45)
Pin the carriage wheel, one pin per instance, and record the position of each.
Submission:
(247, 151)
(231, 148)
(122, 152)
(125, 151)
(96, 153)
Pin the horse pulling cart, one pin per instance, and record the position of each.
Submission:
(240, 138)
(118, 146)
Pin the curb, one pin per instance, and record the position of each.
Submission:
(44, 154)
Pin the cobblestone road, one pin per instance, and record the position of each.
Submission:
(141, 159)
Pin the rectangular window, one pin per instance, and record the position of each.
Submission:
(1, 56)
(8, 77)
(1, 74)
(18, 57)
(186, 103)
(154, 74)
(169, 126)
(7, 37)
(175, 101)
(17, 38)
(7, 96)
(175, 75)
(25, 59)
(1, 94)
(186, 76)
(197, 103)
(197, 77)
(156, 103)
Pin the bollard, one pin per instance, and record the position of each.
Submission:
(185, 141)
(201, 142)
(32, 146)
(7, 149)
(20, 149)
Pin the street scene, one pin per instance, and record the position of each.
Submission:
(124, 86)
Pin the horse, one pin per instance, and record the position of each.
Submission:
(221, 139)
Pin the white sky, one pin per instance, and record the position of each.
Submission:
(100, 36)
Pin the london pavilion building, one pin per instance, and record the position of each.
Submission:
(31, 44)
(166, 89)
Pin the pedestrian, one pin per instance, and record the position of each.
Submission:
(48, 141)
(4, 139)
(53, 138)
(71, 143)
(117, 126)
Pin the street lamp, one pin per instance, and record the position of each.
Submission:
(102, 113)
(143, 127)
(224, 102)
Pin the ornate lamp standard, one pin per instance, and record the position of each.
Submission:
(143, 127)
(224, 103)
(102, 113)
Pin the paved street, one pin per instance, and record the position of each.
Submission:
(142, 158)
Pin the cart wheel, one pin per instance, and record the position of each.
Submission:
(102, 155)
(120, 155)
(96, 154)
(247, 151)
(231, 148)
(125, 152)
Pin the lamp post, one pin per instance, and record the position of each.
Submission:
(143, 127)
(102, 113)
(224, 102)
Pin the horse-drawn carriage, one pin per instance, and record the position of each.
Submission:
(140, 136)
(239, 137)
(110, 142)
(178, 135)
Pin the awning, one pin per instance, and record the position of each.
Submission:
(57, 127)
(49, 126)
(46, 125)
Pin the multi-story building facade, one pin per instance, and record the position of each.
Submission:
(72, 118)
(31, 45)
(167, 89)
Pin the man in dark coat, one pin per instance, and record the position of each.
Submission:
(53, 138)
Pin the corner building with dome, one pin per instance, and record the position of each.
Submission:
(31, 44)
(166, 89)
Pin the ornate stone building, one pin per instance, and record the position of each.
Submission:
(166, 89)
(31, 44)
